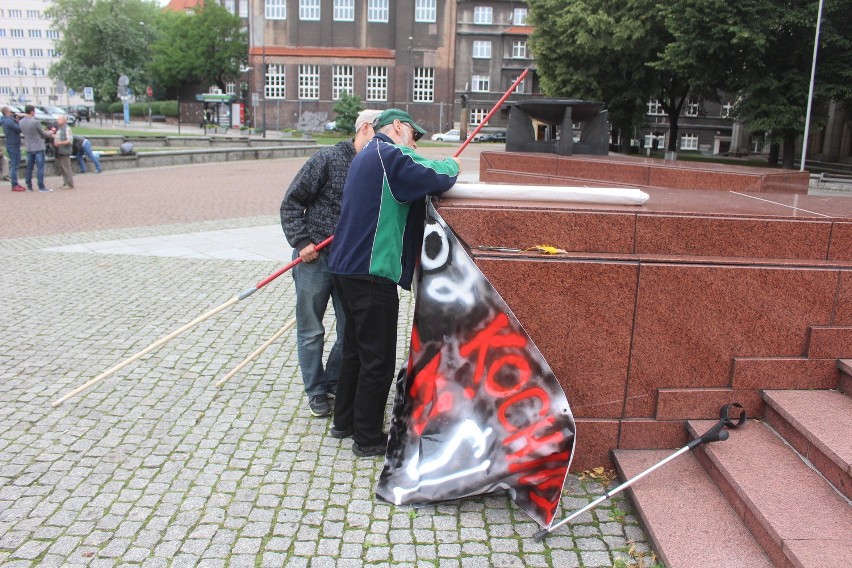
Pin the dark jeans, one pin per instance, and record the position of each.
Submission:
(14, 163)
(369, 356)
(35, 159)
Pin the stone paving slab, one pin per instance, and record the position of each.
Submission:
(155, 466)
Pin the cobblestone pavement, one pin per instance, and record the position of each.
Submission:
(155, 466)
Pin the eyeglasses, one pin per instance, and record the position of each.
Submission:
(414, 132)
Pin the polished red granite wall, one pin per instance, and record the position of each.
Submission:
(512, 167)
(661, 313)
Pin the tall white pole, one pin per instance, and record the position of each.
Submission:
(811, 90)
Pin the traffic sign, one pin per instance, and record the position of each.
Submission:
(149, 91)
(71, 92)
(88, 93)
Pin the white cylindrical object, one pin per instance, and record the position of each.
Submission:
(567, 194)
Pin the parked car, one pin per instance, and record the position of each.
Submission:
(329, 126)
(498, 136)
(80, 112)
(452, 136)
(56, 112)
(47, 120)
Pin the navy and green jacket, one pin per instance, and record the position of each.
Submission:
(381, 224)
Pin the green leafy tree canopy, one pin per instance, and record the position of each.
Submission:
(347, 109)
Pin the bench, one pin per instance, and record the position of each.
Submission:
(158, 118)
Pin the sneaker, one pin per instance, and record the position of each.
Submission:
(44, 190)
(341, 433)
(369, 451)
(331, 395)
(29, 188)
(18, 188)
(319, 406)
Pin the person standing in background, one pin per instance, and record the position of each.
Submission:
(62, 141)
(12, 132)
(34, 137)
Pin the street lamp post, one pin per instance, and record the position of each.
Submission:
(21, 70)
(35, 81)
(408, 81)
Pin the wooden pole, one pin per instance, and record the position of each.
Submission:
(256, 352)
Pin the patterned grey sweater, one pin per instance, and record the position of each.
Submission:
(311, 205)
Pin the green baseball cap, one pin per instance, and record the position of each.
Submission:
(391, 114)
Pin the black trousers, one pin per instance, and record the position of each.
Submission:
(371, 306)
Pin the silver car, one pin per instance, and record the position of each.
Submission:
(55, 112)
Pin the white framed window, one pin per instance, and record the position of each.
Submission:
(5, 91)
(309, 78)
(50, 53)
(424, 85)
(52, 34)
(689, 142)
(377, 83)
(276, 82)
(244, 5)
(34, 14)
(655, 108)
(309, 10)
(425, 11)
(519, 49)
(36, 53)
(275, 10)
(480, 83)
(483, 15)
(4, 52)
(650, 138)
(231, 88)
(34, 33)
(727, 110)
(522, 86)
(2, 32)
(40, 91)
(692, 108)
(519, 17)
(15, 32)
(344, 10)
(4, 71)
(19, 52)
(19, 70)
(38, 71)
(342, 81)
(377, 11)
(477, 115)
(482, 50)
(230, 6)
(16, 14)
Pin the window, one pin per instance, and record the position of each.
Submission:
(4, 52)
(692, 108)
(482, 50)
(51, 34)
(16, 14)
(482, 15)
(425, 11)
(50, 53)
(275, 10)
(309, 82)
(522, 86)
(650, 139)
(519, 49)
(519, 17)
(477, 115)
(16, 32)
(19, 70)
(19, 52)
(5, 91)
(344, 10)
(377, 83)
(4, 71)
(377, 11)
(34, 33)
(655, 108)
(276, 82)
(727, 110)
(342, 81)
(33, 14)
(424, 85)
(231, 88)
(689, 142)
(229, 6)
(36, 53)
(479, 83)
(244, 8)
(40, 91)
(2, 32)
(309, 10)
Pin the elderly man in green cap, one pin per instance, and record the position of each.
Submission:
(376, 245)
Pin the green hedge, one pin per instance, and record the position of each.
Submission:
(140, 109)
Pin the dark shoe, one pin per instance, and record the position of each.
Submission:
(342, 433)
(319, 406)
(369, 451)
(331, 395)
(29, 189)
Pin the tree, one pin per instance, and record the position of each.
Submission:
(203, 48)
(598, 50)
(774, 100)
(102, 40)
(347, 109)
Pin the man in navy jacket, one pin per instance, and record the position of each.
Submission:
(376, 245)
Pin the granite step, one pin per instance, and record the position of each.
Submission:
(818, 424)
(844, 366)
(795, 515)
(687, 519)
